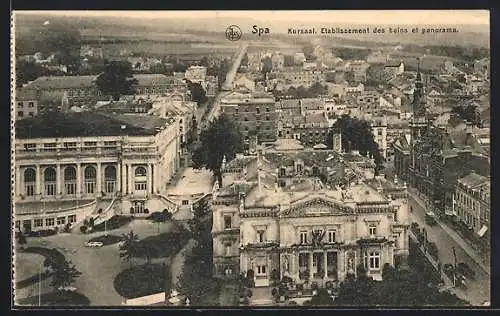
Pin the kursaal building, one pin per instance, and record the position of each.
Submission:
(311, 215)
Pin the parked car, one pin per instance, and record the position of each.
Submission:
(67, 288)
(463, 268)
(94, 244)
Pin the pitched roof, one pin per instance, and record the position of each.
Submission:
(149, 80)
(393, 63)
(62, 82)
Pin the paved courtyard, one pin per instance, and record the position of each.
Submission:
(192, 181)
(99, 266)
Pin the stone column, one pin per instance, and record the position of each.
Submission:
(124, 178)
(150, 179)
(311, 274)
(18, 181)
(341, 263)
(130, 171)
(118, 177)
(59, 188)
(155, 179)
(296, 266)
(325, 258)
(38, 180)
(99, 179)
(78, 180)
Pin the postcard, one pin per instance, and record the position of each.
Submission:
(203, 159)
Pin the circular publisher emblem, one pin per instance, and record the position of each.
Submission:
(233, 33)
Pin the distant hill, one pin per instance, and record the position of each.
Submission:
(213, 30)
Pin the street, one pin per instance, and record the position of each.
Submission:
(478, 290)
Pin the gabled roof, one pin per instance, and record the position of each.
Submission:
(62, 82)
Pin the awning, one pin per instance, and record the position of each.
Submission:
(482, 231)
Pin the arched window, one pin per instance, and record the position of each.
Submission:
(49, 177)
(140, 172)
(90, 176)
(109, 179)
(110, 173)
(90, 173)
(69, 174)
(70, 180)
(29, 175)
(29, 182)
(140, 184)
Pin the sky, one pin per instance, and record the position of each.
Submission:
(403, 17)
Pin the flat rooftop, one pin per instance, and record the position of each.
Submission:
(87, 124)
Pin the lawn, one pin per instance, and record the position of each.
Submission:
(166, 244)
(107, 239)
(143, 280)
(58, 299)
(53, 255)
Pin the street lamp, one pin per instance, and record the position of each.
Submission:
(40, 284)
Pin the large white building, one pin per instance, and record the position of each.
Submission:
(129, 156)
(274, 216)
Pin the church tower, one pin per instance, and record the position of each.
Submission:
(418, 122)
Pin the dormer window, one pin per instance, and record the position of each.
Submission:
(373, 231)
(303, 237)
(261, 237)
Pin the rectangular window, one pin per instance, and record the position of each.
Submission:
(109, 145)
(303, 237)
(30, 147)
(90, 144)
(331, 236)
(20, 105)
(50, 189)
(90, 187)
(49, 222)
(18, 224)
(140, 186)
(185, 202)
(50, 147)
(20, 113)
(31, 104)
(258, 110)
(71, 219)
(261, 270)
(228, 250)
(61, 220)
(374, 260)
(38, 222)
(373, 231)
(227, 221)
(29, 189)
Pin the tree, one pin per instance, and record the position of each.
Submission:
(289, 61)
(128, 249)
(469, 113)
(198, 94)
(221, 139)
(267, 65)
(308, 51)
(28, 71)
(244, 60)
(356, 135)
(64, 41)
(64, 275)
(21, 239)
(204, 61)
(117, 79)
